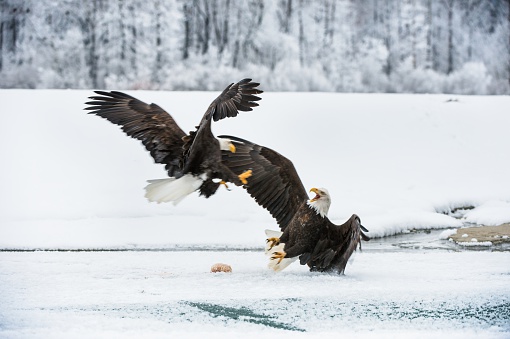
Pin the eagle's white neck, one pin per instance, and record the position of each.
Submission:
(320, 206)
(225, 144)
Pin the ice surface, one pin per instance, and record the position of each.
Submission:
(172, 293)
(474, 242)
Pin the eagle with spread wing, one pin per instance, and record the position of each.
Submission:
(193, 161)
(306, 232)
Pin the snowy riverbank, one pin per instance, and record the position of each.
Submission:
(400, 162)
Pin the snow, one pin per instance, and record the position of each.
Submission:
(401, 162)
(444, 235)
(493, 213)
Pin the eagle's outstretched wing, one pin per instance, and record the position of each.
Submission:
(335, 246)
(236, 97)
(274, 183)
(150, 124)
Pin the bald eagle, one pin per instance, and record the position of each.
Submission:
(306, 232)
(193, 161)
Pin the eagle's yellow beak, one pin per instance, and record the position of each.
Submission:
(317, 196)
(232, 148)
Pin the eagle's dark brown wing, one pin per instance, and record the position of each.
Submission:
(274, 183)
(236, 97)
(150, 124)
(335, 246)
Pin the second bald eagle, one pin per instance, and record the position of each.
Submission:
(306, 232)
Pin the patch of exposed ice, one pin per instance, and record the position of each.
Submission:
(474, 242)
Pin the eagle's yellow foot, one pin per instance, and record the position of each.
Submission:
(272, 242)
(243, 176)
(279, 256)
(232, 148)
(225, 184)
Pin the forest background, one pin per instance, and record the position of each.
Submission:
(412, 46)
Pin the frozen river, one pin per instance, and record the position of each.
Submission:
(407, 287)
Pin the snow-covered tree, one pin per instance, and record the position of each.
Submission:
(460, 46)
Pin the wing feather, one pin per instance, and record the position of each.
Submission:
(227, 104)
(150, 124)
(274, 184)
(336, 245)
(236, 97)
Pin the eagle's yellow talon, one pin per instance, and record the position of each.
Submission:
(279, 256)
(225, 184)
(243, 176)
(274, 242)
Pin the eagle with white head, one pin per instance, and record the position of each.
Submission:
(193, 160)
(306, 232)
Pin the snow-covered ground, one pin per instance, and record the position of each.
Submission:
(74, 181)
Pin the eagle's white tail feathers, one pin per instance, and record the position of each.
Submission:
(269, 251)
(272, 234)
(172, 189)
(273, 263)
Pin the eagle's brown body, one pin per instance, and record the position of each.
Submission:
(319, 243)
(302, 232)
